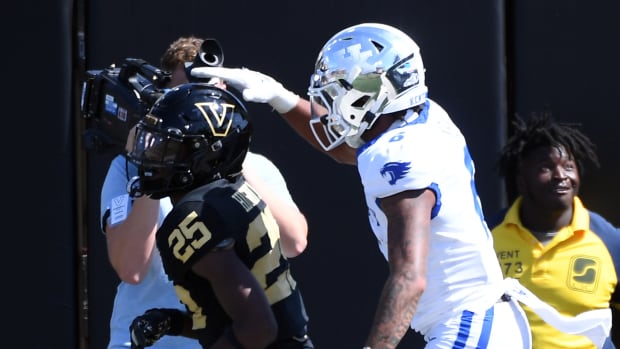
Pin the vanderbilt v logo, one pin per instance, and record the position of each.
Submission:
(219, 122)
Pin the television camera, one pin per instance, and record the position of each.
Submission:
(114, 99)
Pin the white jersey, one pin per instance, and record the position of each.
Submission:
(155, 290)
(429, 151)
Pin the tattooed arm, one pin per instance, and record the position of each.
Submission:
(408, 215)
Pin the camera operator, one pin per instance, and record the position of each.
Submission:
(130, 223)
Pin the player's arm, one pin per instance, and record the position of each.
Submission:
(242, 297)
(299, 117)
(408, 215)
(291, 222)
(260, 88)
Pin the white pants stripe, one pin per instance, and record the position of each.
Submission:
(503, 326)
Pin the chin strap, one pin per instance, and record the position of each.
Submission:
(594, 324)
(368, 120)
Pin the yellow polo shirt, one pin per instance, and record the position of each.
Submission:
(577, 270)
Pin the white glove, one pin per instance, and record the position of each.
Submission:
(255, 87)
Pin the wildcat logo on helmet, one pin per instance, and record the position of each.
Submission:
(219, 119)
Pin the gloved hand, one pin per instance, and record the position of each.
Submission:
(255, 86)
(149, 327)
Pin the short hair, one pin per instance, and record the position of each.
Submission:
(542, 130)
(182, 50)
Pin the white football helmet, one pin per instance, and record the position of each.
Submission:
(362, 72)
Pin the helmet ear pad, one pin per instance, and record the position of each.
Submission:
(223, 159)
(183, 179)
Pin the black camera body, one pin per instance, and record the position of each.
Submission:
(114, 99)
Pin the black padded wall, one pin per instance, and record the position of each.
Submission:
(342, 272)
(39, 211)
(565, 60)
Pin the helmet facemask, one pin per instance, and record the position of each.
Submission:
(164, 159)
(343, 112)
(329, 127)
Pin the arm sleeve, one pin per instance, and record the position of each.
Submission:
(270, 174)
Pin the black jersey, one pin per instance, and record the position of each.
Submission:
(205, 218)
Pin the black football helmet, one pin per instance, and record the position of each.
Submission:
(194, 134)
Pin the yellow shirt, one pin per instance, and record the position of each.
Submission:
(575, 272)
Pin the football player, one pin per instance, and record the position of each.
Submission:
(369, 108)
(220, 244)
(130, 223)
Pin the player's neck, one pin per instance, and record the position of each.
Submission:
(382, 124)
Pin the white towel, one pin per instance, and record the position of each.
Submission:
(594, 324)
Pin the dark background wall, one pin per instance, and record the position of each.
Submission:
(564, 59)
(485, 61)
(38, 167)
